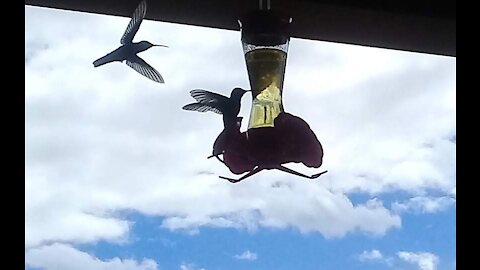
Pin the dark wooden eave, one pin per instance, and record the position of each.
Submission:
(425, 26)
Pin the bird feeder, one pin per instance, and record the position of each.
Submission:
(274, 137)
(265, 38)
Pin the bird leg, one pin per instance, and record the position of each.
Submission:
(287, 170)
(252, 172)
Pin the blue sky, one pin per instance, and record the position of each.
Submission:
(285, 249)
(117, 175)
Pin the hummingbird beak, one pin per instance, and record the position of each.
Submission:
(159, 45)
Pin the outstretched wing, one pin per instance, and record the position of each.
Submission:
(135, 22)
(207, 97)
(140, 66)
(200, 107)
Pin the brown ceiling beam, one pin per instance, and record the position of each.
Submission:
(398, 25)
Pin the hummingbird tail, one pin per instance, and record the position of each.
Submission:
(111, 57)
(99, 62)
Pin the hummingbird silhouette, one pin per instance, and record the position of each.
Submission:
(129, 49)
(225, 137)
(229, 107)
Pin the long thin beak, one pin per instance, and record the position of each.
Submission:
(159, 45)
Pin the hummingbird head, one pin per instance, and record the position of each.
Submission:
(147, 45)
(237, 93)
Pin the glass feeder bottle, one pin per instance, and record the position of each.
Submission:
(265, 38)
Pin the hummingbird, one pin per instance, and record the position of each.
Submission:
(229, 107)
(129, 49)
(228, 134)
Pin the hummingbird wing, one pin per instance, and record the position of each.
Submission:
(140, 66)
(135, 22)
(204, 96)
(208, 101)
(199, 107)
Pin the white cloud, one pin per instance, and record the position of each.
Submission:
(375, 256)
(64, 257)
(246, 255)
(189, 266)
(316, 211)
(424, 260)
(67, 221)
(424, 204)
(371, 255)
(102, 140)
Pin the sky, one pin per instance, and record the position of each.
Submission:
(116, 174)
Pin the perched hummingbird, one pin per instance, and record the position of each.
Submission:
(228, 107)
(225, 138)
(128, 51)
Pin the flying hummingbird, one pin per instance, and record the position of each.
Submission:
(229, 107)
(128, 51)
